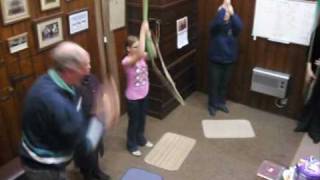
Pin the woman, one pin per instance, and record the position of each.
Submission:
(223, 50)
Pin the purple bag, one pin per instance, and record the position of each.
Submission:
(308, 169)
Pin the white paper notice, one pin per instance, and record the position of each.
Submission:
(78, 22)
(94, 132)
(285, 21)
(117, 13)
(182, 32)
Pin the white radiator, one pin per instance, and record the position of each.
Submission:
(269, 82)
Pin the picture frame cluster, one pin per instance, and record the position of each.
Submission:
(48, 30)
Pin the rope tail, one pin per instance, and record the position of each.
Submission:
(152, 47)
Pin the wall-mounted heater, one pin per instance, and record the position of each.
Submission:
(269, 82)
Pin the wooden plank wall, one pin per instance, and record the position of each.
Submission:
(18, 71)
(120, 39)
(289, 59)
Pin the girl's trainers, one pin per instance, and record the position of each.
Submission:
(136, 153)
(149, 144)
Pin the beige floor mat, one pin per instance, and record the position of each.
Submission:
(170, 151)
(236, 128)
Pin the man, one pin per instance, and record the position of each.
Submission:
(223, 50)
(309, 120)
(53, 125)
(91, 91)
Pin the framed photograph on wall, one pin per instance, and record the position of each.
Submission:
(49, 31)
(49, 4)
(18, 43)
(14, 10)
(78, 21)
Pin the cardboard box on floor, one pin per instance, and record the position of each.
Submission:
(270, 171)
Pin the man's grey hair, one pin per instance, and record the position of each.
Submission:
(68, 55)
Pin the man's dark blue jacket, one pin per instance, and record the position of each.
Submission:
(52, 125)
(223, 43)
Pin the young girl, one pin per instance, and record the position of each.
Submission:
(136, 70)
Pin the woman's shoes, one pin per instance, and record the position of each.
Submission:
(223, 108)
(300, 129)
(212, 111)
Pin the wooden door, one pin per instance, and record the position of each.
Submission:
(16, 76)
(114, 48)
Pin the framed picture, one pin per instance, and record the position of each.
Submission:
(14, 10)
(48, 31)
(78, 21)
(49, 4)
(18, 43)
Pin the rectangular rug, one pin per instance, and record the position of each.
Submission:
(170, 151)
(236, 128)
(140, 174)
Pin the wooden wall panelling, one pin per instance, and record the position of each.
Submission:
(183, 73)
(120, 37)
(92, 39)
(201, 57)
(241, 69)
(161, 99)
(3, 77)
(296, 61)
(9, 108)
(5, 145)
(39, 65)
(23, 81)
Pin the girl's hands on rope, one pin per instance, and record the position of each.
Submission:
(145, 27)
(150, 47)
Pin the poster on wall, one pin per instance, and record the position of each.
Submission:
(117, 14)
(182, 32)
(78, 21)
